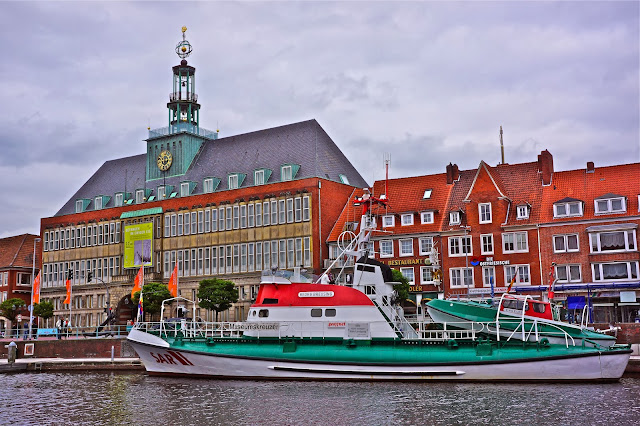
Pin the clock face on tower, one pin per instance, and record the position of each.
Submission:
(164, 160)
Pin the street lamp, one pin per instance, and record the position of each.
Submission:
(33, 279)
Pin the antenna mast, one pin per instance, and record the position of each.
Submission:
(387, 161)
(501, 146)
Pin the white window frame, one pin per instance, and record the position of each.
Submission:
(427, 194)
(461, 275)
(207, 185)
(508, 235)
(184, 189)
(258, 177)
(566, 207)
(402, 246)
(421, 246)
(609, 202)
(570, 278)
(344, 179)
(459, 242)
(409, 274)
(406, 219)
(522, 212)
(162, 192)
(565, 242)
(426, 218)
(139, 196)
(486, 277)
(508, 276)
(97, 203)
(487, 239)
(79, 206)
(484, 213)
(631, 267)
(119, 199)
(455, 218)
(386, 253)
(628, 240)
(233, 181)
(388, 221)
(286, 173)
(426, 275)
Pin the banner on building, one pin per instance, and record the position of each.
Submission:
(138, 245)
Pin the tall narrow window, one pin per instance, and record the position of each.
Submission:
(258, 177)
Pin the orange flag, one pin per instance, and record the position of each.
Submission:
(137, 282)
(68, 299)
(35, 296)
(173, 282)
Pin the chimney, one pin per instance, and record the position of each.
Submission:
(591, 168)
(545, 166)
(453, 174)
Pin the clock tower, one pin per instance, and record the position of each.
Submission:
(170, 150)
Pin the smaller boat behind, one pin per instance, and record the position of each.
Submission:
(518, 317)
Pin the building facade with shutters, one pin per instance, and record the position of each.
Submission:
(225, 207)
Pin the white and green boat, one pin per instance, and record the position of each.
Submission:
(301, 329)
(515, 317)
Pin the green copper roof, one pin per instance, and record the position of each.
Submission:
(143, 212)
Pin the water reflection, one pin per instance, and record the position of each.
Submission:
(107, 398)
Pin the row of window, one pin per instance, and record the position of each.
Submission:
(406, 219)
(238, 258)
(610, 205)
(599, 242)
(238, 216)
(102, 269)
(82, 236)
(569, 273)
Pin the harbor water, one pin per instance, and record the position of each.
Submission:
(138, 399)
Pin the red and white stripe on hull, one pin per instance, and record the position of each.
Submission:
(160, 359)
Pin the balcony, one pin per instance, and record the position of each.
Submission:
(182, 128)
(183, 96)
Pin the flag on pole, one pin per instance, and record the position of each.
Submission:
(513, 280)
(68, 299)
(138, 281)
(35, 295)
(173, 282)
(140, 311)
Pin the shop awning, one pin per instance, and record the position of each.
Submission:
(575, 302)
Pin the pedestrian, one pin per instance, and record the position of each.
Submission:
(59, 327)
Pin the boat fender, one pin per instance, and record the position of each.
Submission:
(543, 343)
(452, 344)
(210, 341)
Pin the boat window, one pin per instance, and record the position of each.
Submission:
(264, 313)
(538, 307)
(254, 313)
(509, 304)
(329, 312)
(315, 313)
(269, 301)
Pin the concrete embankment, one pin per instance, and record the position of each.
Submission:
(71, 364)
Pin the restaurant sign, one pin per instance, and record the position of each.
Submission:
(403, 262)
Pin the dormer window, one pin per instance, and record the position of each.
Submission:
(119, 200)
(609, 203)
(427, 194)
(344, 179)
(426, 217)
(186, 188)
(286, 173)
(454, 218)
(81, 205)
(207, 185)
(407, 219)
(233, 181)
(522, 212)
(161, 192)
(97, 203)
(139, 196)
(258, 177)
(388, 221)
(567, 208)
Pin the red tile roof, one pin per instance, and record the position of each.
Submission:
(623, 179)
(17, 252)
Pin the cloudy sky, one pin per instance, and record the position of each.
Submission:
(428, 82)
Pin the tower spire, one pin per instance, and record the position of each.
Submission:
(184, 110)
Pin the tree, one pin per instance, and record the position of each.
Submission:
(10, 307)
(154, 294)
(43, 310)
(403, 288)
(217, 295)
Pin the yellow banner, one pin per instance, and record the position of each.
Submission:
(138, 245)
